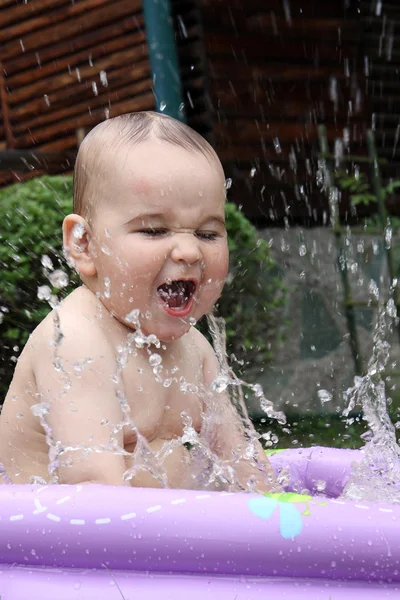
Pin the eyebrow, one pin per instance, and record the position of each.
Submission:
(161, 217)
(147, 215)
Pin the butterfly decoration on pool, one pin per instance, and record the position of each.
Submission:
(290, 518)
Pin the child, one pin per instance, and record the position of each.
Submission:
(95, 397)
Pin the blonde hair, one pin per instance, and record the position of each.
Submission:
(130, 128)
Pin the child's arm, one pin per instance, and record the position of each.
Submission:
(229, 440)
(81, 396)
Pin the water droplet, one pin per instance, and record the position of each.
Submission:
(59, 279)
(277, 145)
(324, 396)
(133, 316)
(44, 292)
(103, 78)
(155, 359)
(107, 287)
(40, 410)
(46, 262)
(320, 485)
(78, 231)
(220, 384)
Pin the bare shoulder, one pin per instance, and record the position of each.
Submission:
(208, 357)
(72, 331)
(76, 314)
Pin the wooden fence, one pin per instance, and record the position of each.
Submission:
(277, 69)
(65, 67)
(258, 75)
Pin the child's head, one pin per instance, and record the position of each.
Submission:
(148, 227)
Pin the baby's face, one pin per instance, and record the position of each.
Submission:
(159, 237)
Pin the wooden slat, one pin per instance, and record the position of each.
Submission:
(28, 160)
(5, 110)
(87, 21)
(253, 91)
(75, 60)
(138, 103)
(76, 94)
(86, 72)
(63, 49)
(311, 8)
(128, 89)
(21, 12)
(248, 131)
(251, 153)
(250, 46)
(295, 111)
(263, 151)
(5, 3)
(226, 67)
(223, 21)
(68, 142)
(46, 22)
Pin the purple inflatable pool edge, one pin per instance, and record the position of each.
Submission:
(104, 542)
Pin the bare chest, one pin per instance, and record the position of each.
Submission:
(163, 398)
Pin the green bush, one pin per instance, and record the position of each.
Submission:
(253, 297)
(31, 215)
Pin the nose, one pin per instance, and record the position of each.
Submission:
(185, 249)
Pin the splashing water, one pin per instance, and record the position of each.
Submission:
(377, 477)
(208, 471)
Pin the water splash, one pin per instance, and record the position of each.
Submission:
(207, 469)
(377, 477)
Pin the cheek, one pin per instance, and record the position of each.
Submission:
(143, 258)
(219, 262)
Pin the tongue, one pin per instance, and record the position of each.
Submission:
(174, 294)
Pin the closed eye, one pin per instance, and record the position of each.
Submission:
(207, 236)
(153, 232)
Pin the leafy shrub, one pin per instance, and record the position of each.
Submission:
(31, 214)
(360, 189)
(253, 296)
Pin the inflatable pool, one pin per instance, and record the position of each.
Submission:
(101, 542)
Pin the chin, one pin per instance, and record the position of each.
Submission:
(166, 333)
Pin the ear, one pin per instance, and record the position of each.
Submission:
(76, 240)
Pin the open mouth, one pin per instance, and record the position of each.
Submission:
(178, 294)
